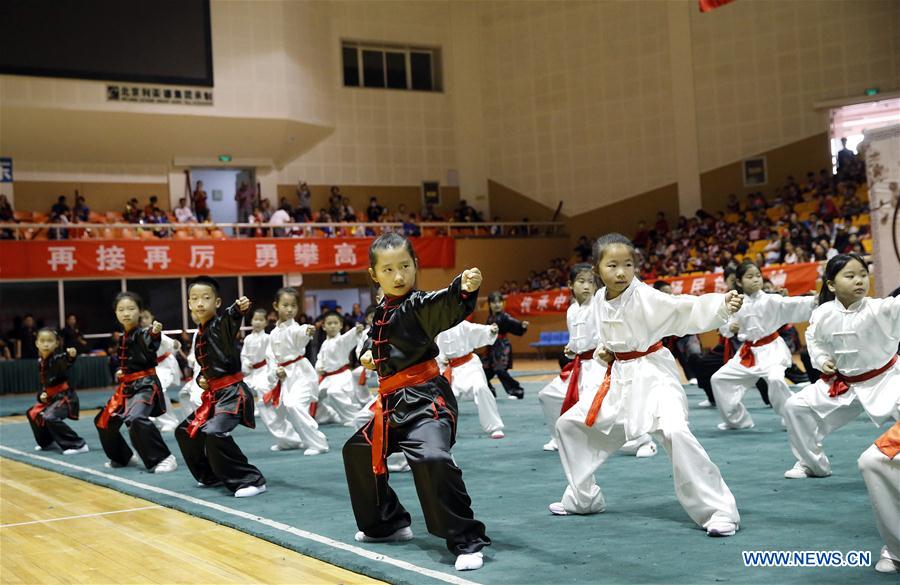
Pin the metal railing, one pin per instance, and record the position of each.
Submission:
(77, 231)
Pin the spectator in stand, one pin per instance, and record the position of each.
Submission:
(183, 213)
(61, 207)
(828, 211)
(5, 349)
(201, 208)
(334, 201)
(71, 335)
(132, 213)
(244, 199)
(374, 210)
(7, 215)
(27, 336)
(304, 198)
(347, 213)
(429, 214)
(257, 219)
(356, 315)
(80, 212)
(583, 249)
(642, 236)
(662, 224)
(410, 229)
(265, 207)
(281, 216)
(845, 160)
(152, 209)
(733, 205)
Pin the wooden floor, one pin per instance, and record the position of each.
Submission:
(90, 534)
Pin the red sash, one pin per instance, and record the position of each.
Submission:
(38, 408)
(118, 398)
(624, 356)
(273, 396)
(889, 442)
(411, 376)
(337, 371)
(748, 360)
(163, 357)
(572, 373)
(455, 363)
(840, 383)
(208, 400)
(362, 377)
(258, 365)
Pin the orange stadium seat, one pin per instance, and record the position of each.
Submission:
(23, 216)
(867, 245)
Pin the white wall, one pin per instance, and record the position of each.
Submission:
(224, 211)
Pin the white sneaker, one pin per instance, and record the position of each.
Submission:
(646, 450)
(551, 446)
(168, 428)
(250, 491)
(277, 447)
(82, 449)
(400, 535)
(167, 465)
(692, 381)
(511, 397)
(469, 562)
(705, 404)
(497, 435)
(398, 467)
(131, 463)
(721, 528)
(556, 508)
(724, 426)
(800, 471)
(309, 452)
(886, 564)
(39, 448)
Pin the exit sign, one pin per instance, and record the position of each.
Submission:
(224, 158)
(871, 91)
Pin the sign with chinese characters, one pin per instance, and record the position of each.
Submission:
(6, 170)
(159, 94)
(117, 258)
(798, 279)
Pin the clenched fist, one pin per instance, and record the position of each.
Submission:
(471, 279)
(156, 328)
(602, 355)
(243, 304)
(733, 301)
(367, 361)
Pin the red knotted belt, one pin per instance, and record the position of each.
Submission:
(411, 376)
(208, 400)
(118, 398)
(840, 383)
(362, 378)
(163, 357)
(273, 396)
(455, 363)
(38, 408)
(748, 360)
(572, 373)
(889, 443)
(324, 375)
(624, 356)
(258, 365)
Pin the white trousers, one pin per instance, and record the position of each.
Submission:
(732, 381)
(290, 421)
(168, 373)
(469, 383)
(882, 478)
(337, 399)
(699, 486)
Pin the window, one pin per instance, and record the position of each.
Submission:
(92, 303)
(391, 67)
(163, 297)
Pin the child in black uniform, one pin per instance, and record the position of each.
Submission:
(56, 400)
(138, 395)
(498, 360)
(204, 436)
(416, 411)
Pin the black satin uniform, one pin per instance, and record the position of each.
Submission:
(143, 399)
(421, 424)
(212, 455)
(48, 426)
(498, 360)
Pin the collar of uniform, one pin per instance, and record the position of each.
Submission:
(626, 294)
(284, 324)
(855, 307)
(391, 301)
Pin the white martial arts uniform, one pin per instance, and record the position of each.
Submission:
(645, 396)
(361, 376)
(253, 353)
(860, 339)
(467, 379)
(337, 391)
(169, 373)
(882, 477)
(190, 394)
(761, 315)
(300, 387)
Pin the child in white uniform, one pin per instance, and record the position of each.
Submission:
(463, 370)
(167, 371)
(190, 394)
(253, 366)
(853, 340)
(362, 377)
(641, 392)
(337, 393)
(583, 375)
(293, 381)
(764, 354)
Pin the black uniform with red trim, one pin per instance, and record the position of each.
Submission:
(46, 418)
(137, 398)
(419, 420)
(204, 437)
(498, 360)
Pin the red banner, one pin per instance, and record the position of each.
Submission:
(798, 279)
(707, 5)
(117, 258)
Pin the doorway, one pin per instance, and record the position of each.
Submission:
(222, 187)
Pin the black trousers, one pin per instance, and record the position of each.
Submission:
(706, 365)
(426, 442)
(49, 426)
(212, 455)
(144, 435)
(510, 384)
